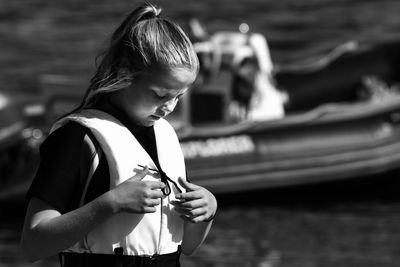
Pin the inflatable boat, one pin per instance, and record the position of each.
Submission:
(341, 121)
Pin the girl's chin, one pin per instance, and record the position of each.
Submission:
(148, 121)
(145, 121)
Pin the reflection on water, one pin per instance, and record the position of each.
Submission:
(341, 224)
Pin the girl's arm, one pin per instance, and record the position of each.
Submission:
(46, 231)
(197, 207)
(194, 235)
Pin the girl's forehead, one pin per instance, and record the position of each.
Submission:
(164, 91)
(174, 79)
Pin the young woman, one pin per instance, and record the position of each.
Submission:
(111, 187)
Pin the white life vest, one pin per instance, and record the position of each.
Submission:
(138, 234)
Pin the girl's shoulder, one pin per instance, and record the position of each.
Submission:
(64, 161)
(70, 133)
(70, 139)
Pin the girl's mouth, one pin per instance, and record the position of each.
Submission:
(153, 117)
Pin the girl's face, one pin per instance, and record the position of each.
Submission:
(153, 96)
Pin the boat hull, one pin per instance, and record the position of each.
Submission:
(321, 146)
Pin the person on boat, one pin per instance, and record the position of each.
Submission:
(255, 95)
(111, 188)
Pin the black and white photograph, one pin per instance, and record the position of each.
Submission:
(171, 133)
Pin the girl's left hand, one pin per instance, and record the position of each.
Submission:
(197, 204)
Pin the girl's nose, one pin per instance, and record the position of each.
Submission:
(169, 106)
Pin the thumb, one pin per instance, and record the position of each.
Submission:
(141, 173)
(187, 185)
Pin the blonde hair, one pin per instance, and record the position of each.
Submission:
(142, 43)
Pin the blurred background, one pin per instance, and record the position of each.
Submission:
(45, 37)
(339, 224)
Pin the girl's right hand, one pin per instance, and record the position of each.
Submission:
(137, 196)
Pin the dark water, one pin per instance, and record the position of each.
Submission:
(334, 225)
(41, 37)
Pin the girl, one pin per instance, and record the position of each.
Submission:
(111, 188)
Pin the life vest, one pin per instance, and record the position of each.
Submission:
(138, 234)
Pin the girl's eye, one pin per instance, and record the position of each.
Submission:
(157, 96)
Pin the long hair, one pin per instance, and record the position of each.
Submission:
(143, 42)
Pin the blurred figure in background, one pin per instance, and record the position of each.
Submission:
(255, 95)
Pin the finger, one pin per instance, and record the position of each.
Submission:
(149, 209)
(188, 186)
(194, 204)
(152, 202)
(154, 194)
(140, 173)
(155, 185)
(197, 212)
(191, 213)
(196, 219)
(192, 195)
